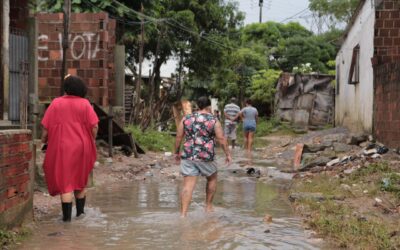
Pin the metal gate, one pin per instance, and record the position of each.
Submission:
(18, 77)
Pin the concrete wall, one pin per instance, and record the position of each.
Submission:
(354, 103)
(16, 177)
(90, 54)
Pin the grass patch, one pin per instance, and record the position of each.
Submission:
(336, 220)
(152, 140)
(338, 223)
(9, 238)
(391, 184)
(323, 184)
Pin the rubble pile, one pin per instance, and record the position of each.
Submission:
(338, 152)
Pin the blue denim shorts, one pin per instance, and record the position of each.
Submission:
(197, 168)
(249, 126)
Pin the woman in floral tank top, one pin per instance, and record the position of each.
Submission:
(199, 137)
(199, 131)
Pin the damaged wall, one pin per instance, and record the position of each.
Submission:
(305, 100)
(354, 102)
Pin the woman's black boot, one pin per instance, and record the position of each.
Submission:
(67, 211)
(80, 206)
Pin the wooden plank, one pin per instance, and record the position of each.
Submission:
(297, 156)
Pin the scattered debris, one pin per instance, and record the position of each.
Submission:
(267, 218)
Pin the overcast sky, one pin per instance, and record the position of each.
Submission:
(276, 10)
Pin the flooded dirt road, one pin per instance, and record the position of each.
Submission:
(144, 215)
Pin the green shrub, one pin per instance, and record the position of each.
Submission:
(152, 140)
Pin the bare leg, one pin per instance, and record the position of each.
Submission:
(189, 182)
(246, 139)
(210, 191)
(79, 194)
(233, 144)
(67, 197)
(250, 141)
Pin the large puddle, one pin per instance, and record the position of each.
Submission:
(144, 215)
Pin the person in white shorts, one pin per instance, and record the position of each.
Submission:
(231, 113)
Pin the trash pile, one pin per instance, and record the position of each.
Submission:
(334, 151)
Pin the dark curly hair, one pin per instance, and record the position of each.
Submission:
(74, 85)
(203, 102)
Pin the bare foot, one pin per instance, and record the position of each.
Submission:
(209, 209)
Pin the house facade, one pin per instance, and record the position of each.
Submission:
(354, 72)
(368, 72)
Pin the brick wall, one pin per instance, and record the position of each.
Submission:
(90, 54)
(387, 106)
(387, 32)
(16, 177)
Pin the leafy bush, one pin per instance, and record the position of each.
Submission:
(267, 126)
(152, 140)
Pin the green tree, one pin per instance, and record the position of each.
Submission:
(336, 11)
(263, 86)
(301, 50)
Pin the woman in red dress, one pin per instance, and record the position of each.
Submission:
(69, 129)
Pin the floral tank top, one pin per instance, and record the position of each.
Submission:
(199, 137)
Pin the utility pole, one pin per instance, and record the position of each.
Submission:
(260, 3)
(139, 80)
(67, 16)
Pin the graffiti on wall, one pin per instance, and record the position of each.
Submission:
(80, 45)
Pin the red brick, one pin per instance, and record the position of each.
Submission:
(15, 170)
(23, 187)
(388, 23)
(384, 32)
(72, 72)
(388, 5)
(394, 32)
(9, 203)
(387, 41)
(2, 207)
(11, 192)
(18, 179)
(55, 55)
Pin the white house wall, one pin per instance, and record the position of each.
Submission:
(354, 103)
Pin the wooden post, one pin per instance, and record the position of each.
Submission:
(110, 131)
(139, 80)
(5, 59)
(67, 15)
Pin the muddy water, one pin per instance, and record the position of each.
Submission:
(144, 215)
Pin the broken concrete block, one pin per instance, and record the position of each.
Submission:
(357, 139)
(328, 153)
(333, 162)
(319, 161)
(313, 148)
(341, 147)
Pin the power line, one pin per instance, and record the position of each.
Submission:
(298, 13)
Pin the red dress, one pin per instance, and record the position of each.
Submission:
(71, 150)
